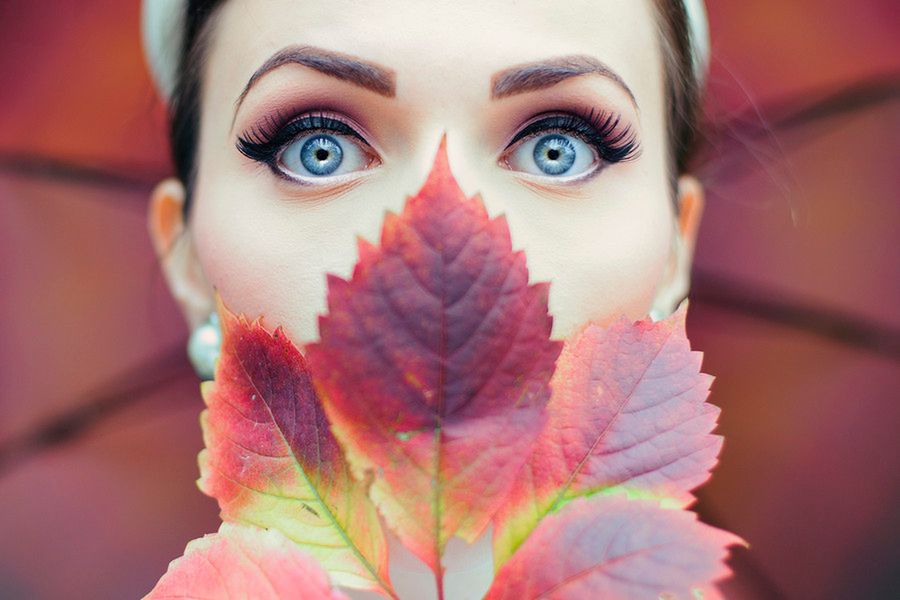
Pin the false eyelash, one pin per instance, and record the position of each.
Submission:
(265, 141)
(598, 128)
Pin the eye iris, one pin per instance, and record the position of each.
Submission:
(321, 155)
(554, 154)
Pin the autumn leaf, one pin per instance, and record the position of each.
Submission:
(613, 547)
(244, 562)
(436, 394)
(628, 412)
(434, 364)
(271, 460)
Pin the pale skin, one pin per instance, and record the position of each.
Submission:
(607, 235)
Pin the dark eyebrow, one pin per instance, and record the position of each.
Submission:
(537, 75)
(334, 64)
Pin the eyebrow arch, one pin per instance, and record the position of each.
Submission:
(365, 74)
(532, 76)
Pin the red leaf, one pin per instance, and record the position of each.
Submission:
(611, 547)
(628, 411)
(244, 562)
(271, 460)
(434, 363)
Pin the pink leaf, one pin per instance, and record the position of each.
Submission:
(244, 562)
(628, 411)
(610, 547)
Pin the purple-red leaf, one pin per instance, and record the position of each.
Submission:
(244, 562)
(612, 547)
(629, 412)
(434, 362)
(272, 461)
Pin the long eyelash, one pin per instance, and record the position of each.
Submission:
(598, 128)
(265, 141)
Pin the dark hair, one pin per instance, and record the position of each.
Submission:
(682, 88)
(184, 106)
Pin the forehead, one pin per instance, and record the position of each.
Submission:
(464, 40)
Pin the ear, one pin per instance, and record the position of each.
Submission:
(676, 283)
(176, 252)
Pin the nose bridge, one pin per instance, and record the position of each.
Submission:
(447, 148)
(448, 105)
(440, 181)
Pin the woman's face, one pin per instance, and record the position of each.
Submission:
(378, 83)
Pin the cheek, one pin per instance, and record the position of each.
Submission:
(268, 261)
(604, 258)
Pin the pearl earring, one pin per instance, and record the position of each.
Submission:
(204, 346)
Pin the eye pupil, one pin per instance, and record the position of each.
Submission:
(321, 155)
(554, 154)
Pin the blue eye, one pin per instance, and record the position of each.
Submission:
(320, 155)
(554, 154)
(564, 146)
(310, 148)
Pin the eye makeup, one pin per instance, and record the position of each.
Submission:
(611, 142)
(600, 129)
(265, 142)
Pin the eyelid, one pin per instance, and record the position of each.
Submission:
(269, 128)
(589, 120)
(516, 137)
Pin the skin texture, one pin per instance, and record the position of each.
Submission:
(611, 244)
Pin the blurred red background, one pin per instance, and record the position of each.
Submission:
(795, 304)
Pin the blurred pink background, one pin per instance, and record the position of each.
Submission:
(796, 304)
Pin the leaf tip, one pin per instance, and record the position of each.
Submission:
(334, 280)
(364, 248)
